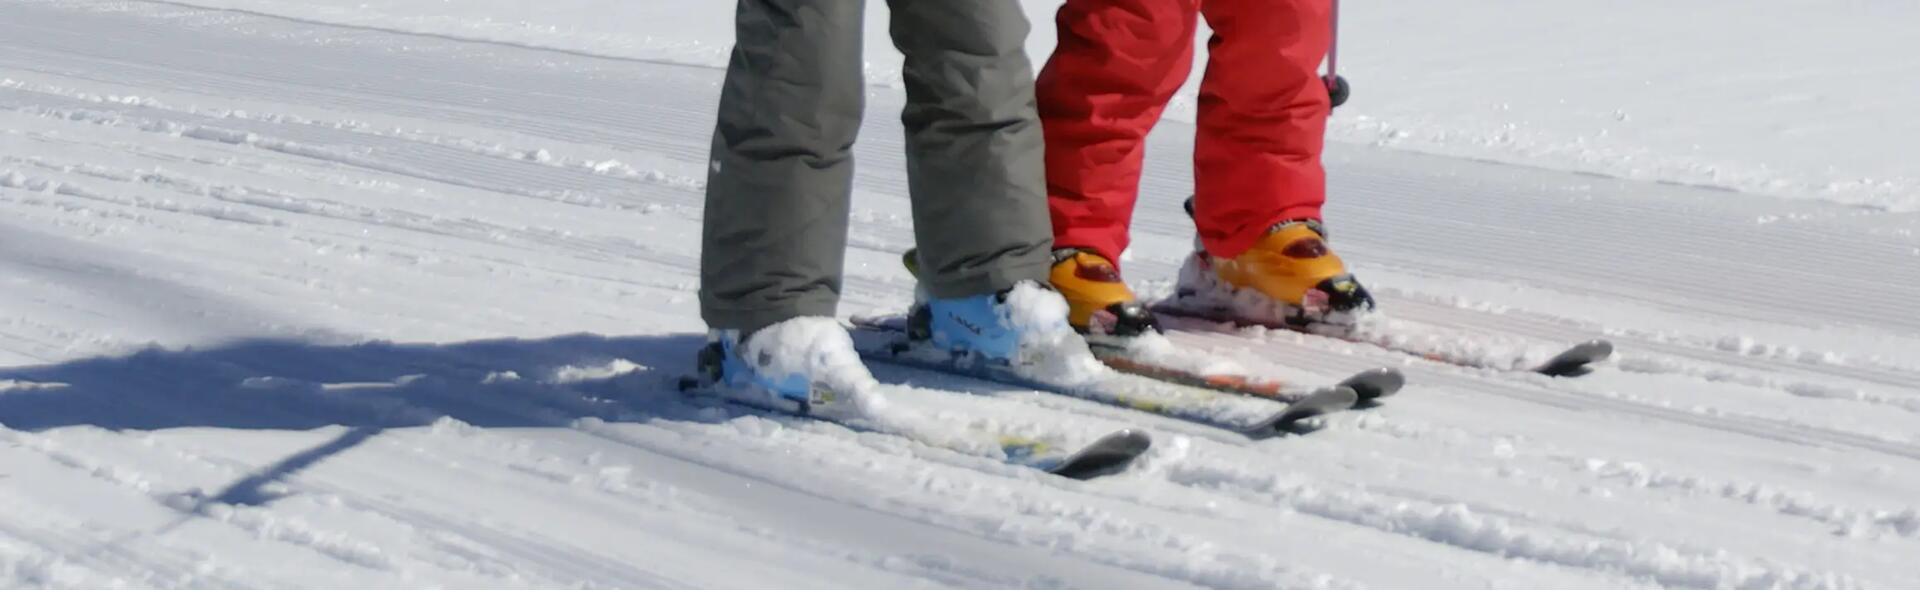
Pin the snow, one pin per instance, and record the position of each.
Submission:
(1780, 97)
(818, 350)
(1158, 349)
(289, 304)
(1048, 349)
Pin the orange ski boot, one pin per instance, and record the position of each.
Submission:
(1291, 275)
(1099, 301)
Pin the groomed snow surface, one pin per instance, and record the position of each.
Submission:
(393, 295)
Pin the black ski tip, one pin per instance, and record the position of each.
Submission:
(1567, 370)
(1600, 349)
(1373, 384)
(1298, 418)
(1577, 361)
(1111, 454)
(688, 384)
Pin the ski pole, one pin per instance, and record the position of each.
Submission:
(1337, 87)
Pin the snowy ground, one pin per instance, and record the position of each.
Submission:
(1788, 98)
(294, 305)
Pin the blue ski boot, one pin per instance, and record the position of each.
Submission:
(805, 366)
(1022, 330)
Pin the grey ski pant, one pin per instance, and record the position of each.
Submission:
(781, 174)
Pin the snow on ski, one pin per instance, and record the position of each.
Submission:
(1047, 452)
(1121, 354)
(1573, 361)
(883, 339)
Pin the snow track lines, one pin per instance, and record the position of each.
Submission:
(252, 310)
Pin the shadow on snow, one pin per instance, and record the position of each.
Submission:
(365, 388)
(286, 385)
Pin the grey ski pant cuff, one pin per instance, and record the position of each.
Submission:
(987, 281)
(719, 316)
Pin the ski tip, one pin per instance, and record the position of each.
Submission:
(1578, 360)
(1330, 399)
(1598, 349)
(1296, 418)
(1376, 383)
(1134, 440)
(1111, 454)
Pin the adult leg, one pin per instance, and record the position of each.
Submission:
(781, 171)
(974, 145)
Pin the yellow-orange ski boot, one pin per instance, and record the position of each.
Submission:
(1098, 301)
(1290, 276)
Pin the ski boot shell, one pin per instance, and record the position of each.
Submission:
(1292, 264)
(1098, 300)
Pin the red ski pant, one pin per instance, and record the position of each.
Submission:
(1262, 115)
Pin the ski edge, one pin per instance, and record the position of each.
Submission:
(1573, 361)
(1293, 419)
(1372, 384)
(1314, 404)
(1109, 454)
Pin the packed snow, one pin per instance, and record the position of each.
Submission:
(1048, 349)
(818, 352)
(396, 293)
(1779, 97)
